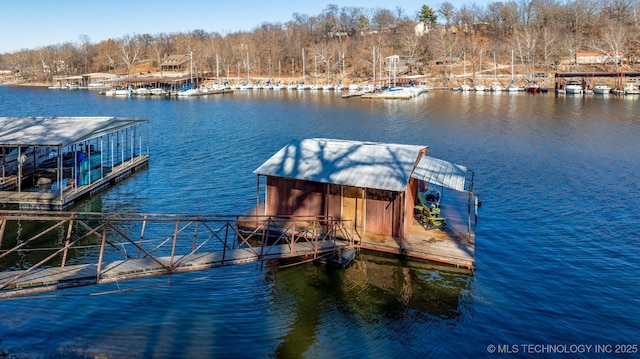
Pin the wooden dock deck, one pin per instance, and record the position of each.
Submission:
(454, 244)
(352, 94)
(53, 200)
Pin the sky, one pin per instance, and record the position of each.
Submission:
(30, 24)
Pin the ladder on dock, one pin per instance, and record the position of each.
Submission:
(46, 251)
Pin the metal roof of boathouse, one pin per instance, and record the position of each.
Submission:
(360, 164)
(441, 173)
(58, 131)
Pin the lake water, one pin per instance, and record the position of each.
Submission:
(558, 238)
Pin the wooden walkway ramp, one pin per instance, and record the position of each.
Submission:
(98, 248)
(48, 279)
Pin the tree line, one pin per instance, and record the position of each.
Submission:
(353, 42)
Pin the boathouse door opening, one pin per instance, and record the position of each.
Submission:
(353, 207)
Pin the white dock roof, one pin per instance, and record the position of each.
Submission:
(58, 131)
(441, 173)
(362, 164)
(349, 163)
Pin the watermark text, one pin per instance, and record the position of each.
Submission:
(563, 349)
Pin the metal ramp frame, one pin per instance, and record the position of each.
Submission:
(71, 249)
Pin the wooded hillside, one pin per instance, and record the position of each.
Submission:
(346, 42)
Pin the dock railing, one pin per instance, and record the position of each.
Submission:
(41, 251)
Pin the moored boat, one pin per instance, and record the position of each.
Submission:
(118, 91)
(573, 87)
(532, 87)
(142, 91)
(601, 89)
(98, 86)
(188, 90)
(632, 88)
(157, 91)
(22, 157)
(512, 87)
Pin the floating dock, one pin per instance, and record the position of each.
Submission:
(373, 190)
(48, 163)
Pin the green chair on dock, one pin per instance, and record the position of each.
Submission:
(428, 217)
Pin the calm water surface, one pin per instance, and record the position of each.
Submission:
(557, 241)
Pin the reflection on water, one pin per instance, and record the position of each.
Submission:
(377, 293)
(242, 311)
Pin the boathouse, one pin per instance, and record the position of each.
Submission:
(50, 162)
(373, 188)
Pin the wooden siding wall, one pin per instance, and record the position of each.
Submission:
(334, 202)
(293, 197)
(384, 210)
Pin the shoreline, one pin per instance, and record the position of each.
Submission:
(434, 82)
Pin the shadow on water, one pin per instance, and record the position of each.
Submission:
(377, 293)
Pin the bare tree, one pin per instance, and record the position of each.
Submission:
(106, 57)
(410, 43)
(445, 44)
(130, 50)
(161, 46)
(447, 10)
(548, 48)
(526, 40)
(50, 60)
(87, 52)
(615, 42)
(383, 19)
(617, 10)
(502, 19)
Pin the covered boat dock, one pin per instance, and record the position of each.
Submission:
(374, 190)
(618, 78)
(48, 163)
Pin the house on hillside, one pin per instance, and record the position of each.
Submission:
(447, 60)
(178, 63)
(595, 57)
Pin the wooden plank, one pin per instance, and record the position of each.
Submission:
(145, 267)
(48, 276)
